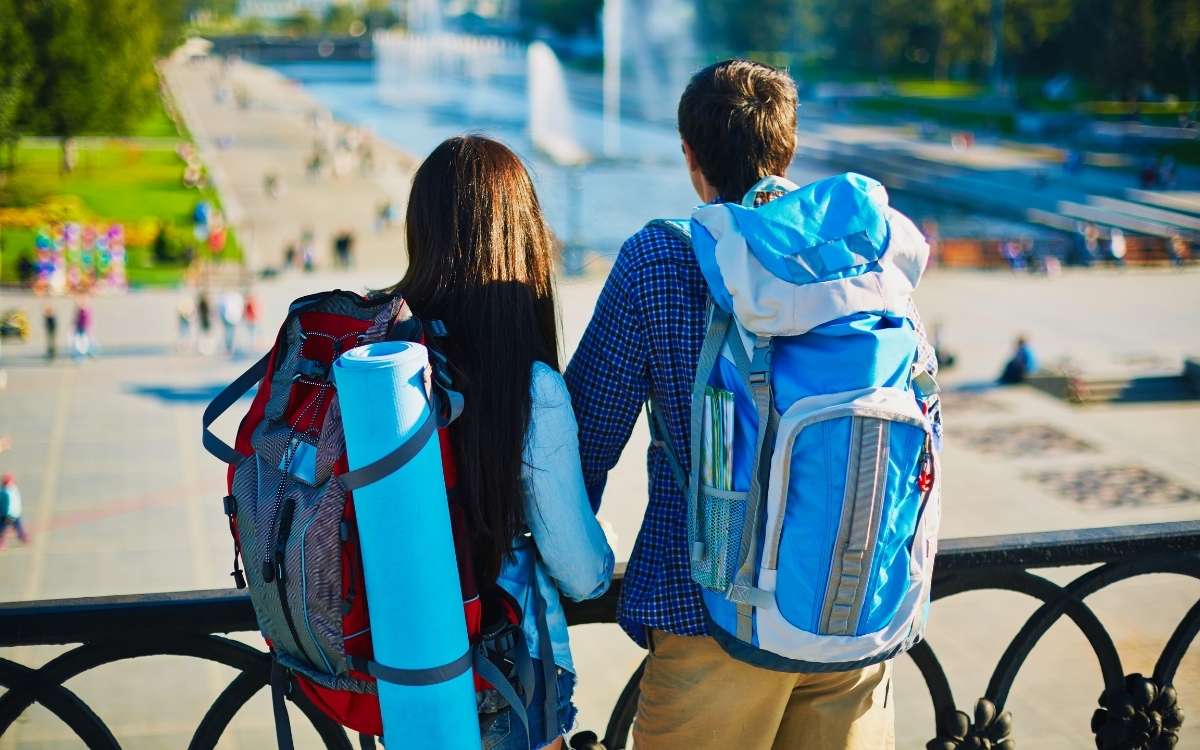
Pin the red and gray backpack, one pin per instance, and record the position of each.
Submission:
(292, 519)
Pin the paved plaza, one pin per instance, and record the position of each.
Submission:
(120, 497)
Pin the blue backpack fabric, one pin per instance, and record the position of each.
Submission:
(814, 491)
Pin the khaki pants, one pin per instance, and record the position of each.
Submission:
(697, 697)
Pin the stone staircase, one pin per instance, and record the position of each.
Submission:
(1079, 389)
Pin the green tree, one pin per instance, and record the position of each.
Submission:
(93, 70)
(1177, 64)
(380, 14)
(16, 63)
(303, 23)
(339, 18)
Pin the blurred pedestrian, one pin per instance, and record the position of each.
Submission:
(183, 316)
(204, 319)
(10, 510)
(385, 216)
(1166, 172)
(272, 186)
(343, 248)
(1013, 254)
(1177, 249)
(308, 251)
(83, 342)
(1021, 365)
(232, 309)
(1116, 246)
(250, 316)
(50, 320)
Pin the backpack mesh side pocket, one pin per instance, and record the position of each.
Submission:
(723, 517)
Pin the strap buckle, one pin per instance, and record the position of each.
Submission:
(760, 364)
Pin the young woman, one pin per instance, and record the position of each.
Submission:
(480, 261)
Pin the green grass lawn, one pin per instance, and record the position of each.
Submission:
(157, 125)
(935, 89)
(132, 182)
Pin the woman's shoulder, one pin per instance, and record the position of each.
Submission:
(546, 384)
(547, 387)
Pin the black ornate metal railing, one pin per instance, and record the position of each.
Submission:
(1135, 711)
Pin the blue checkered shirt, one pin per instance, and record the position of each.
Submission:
(644, 340)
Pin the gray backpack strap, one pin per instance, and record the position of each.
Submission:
(681, 228)
(660, 437)
(719, 325)
(403, 453)
(757, 373)
(490, 672)
(280, 684)
(414, 677)
(225, 399)
(549, 668)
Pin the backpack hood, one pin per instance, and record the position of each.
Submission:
(812, 255)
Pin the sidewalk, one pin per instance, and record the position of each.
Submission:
(275, 135)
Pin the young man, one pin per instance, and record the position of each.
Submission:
(737, 120)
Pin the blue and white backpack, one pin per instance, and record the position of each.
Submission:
(813, 498)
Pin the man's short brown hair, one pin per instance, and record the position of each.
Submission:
(739, 117)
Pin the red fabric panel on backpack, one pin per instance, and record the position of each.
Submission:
(357, 711)
(308, 404)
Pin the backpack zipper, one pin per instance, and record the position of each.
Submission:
(925, 480)
(285, 526)
(278, 534)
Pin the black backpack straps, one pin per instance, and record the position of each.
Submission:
(225, 399)
(549, 668)
(660, 438)
(415, 677)
(279, 689)
(490, 672)
(403, 453)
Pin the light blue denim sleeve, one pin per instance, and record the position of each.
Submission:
(569, 539)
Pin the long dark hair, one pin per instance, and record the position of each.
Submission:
(480, 255)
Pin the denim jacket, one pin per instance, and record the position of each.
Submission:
(570, 554)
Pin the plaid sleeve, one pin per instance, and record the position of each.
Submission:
(608, 378)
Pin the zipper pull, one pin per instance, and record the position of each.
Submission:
(268, 571)
(925, 477)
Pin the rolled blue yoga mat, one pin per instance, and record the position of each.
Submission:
(417, 619)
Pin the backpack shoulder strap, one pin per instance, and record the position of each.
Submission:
(681, 228)
(225, 399)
